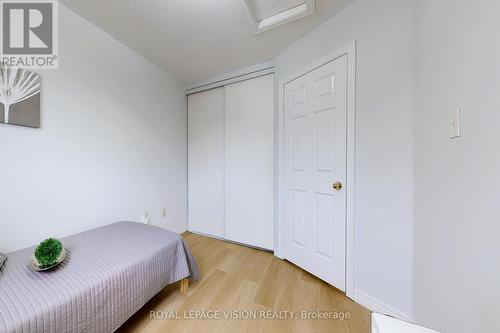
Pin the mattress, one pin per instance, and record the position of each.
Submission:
(109, 273)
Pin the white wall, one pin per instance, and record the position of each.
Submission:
(458, 181)
(112, 144)
(384, 32)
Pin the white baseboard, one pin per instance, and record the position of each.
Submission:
(375, 305)
(180, 230)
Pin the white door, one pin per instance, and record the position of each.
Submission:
(250, 162)
(206, 162)
(314, 148)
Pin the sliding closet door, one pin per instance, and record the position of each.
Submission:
(206, 162)
(249, 161)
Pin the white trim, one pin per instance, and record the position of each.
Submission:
(180, 230)
(373, 304)
(350, 51)
(232, 77)
(351, 169)
(289, 15)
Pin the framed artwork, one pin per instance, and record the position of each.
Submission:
(19, 97)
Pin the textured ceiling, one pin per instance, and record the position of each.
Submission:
(196, 39)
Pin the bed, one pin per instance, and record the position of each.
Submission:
(109, 273)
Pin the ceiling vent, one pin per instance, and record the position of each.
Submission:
(268, 14)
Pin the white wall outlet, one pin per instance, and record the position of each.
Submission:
(454, 126)
(145, 218)
(164, 212)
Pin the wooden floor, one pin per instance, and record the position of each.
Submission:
(243, 281)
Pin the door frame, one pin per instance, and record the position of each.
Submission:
(280, 226)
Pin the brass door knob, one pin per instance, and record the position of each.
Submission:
(337, 186)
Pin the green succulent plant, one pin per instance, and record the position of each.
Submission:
(48, 252)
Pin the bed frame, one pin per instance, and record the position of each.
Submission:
(184, 286)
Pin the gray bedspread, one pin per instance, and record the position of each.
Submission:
(109, 274)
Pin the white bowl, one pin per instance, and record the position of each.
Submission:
(36, 266)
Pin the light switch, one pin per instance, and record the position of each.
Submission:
(454, 126)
